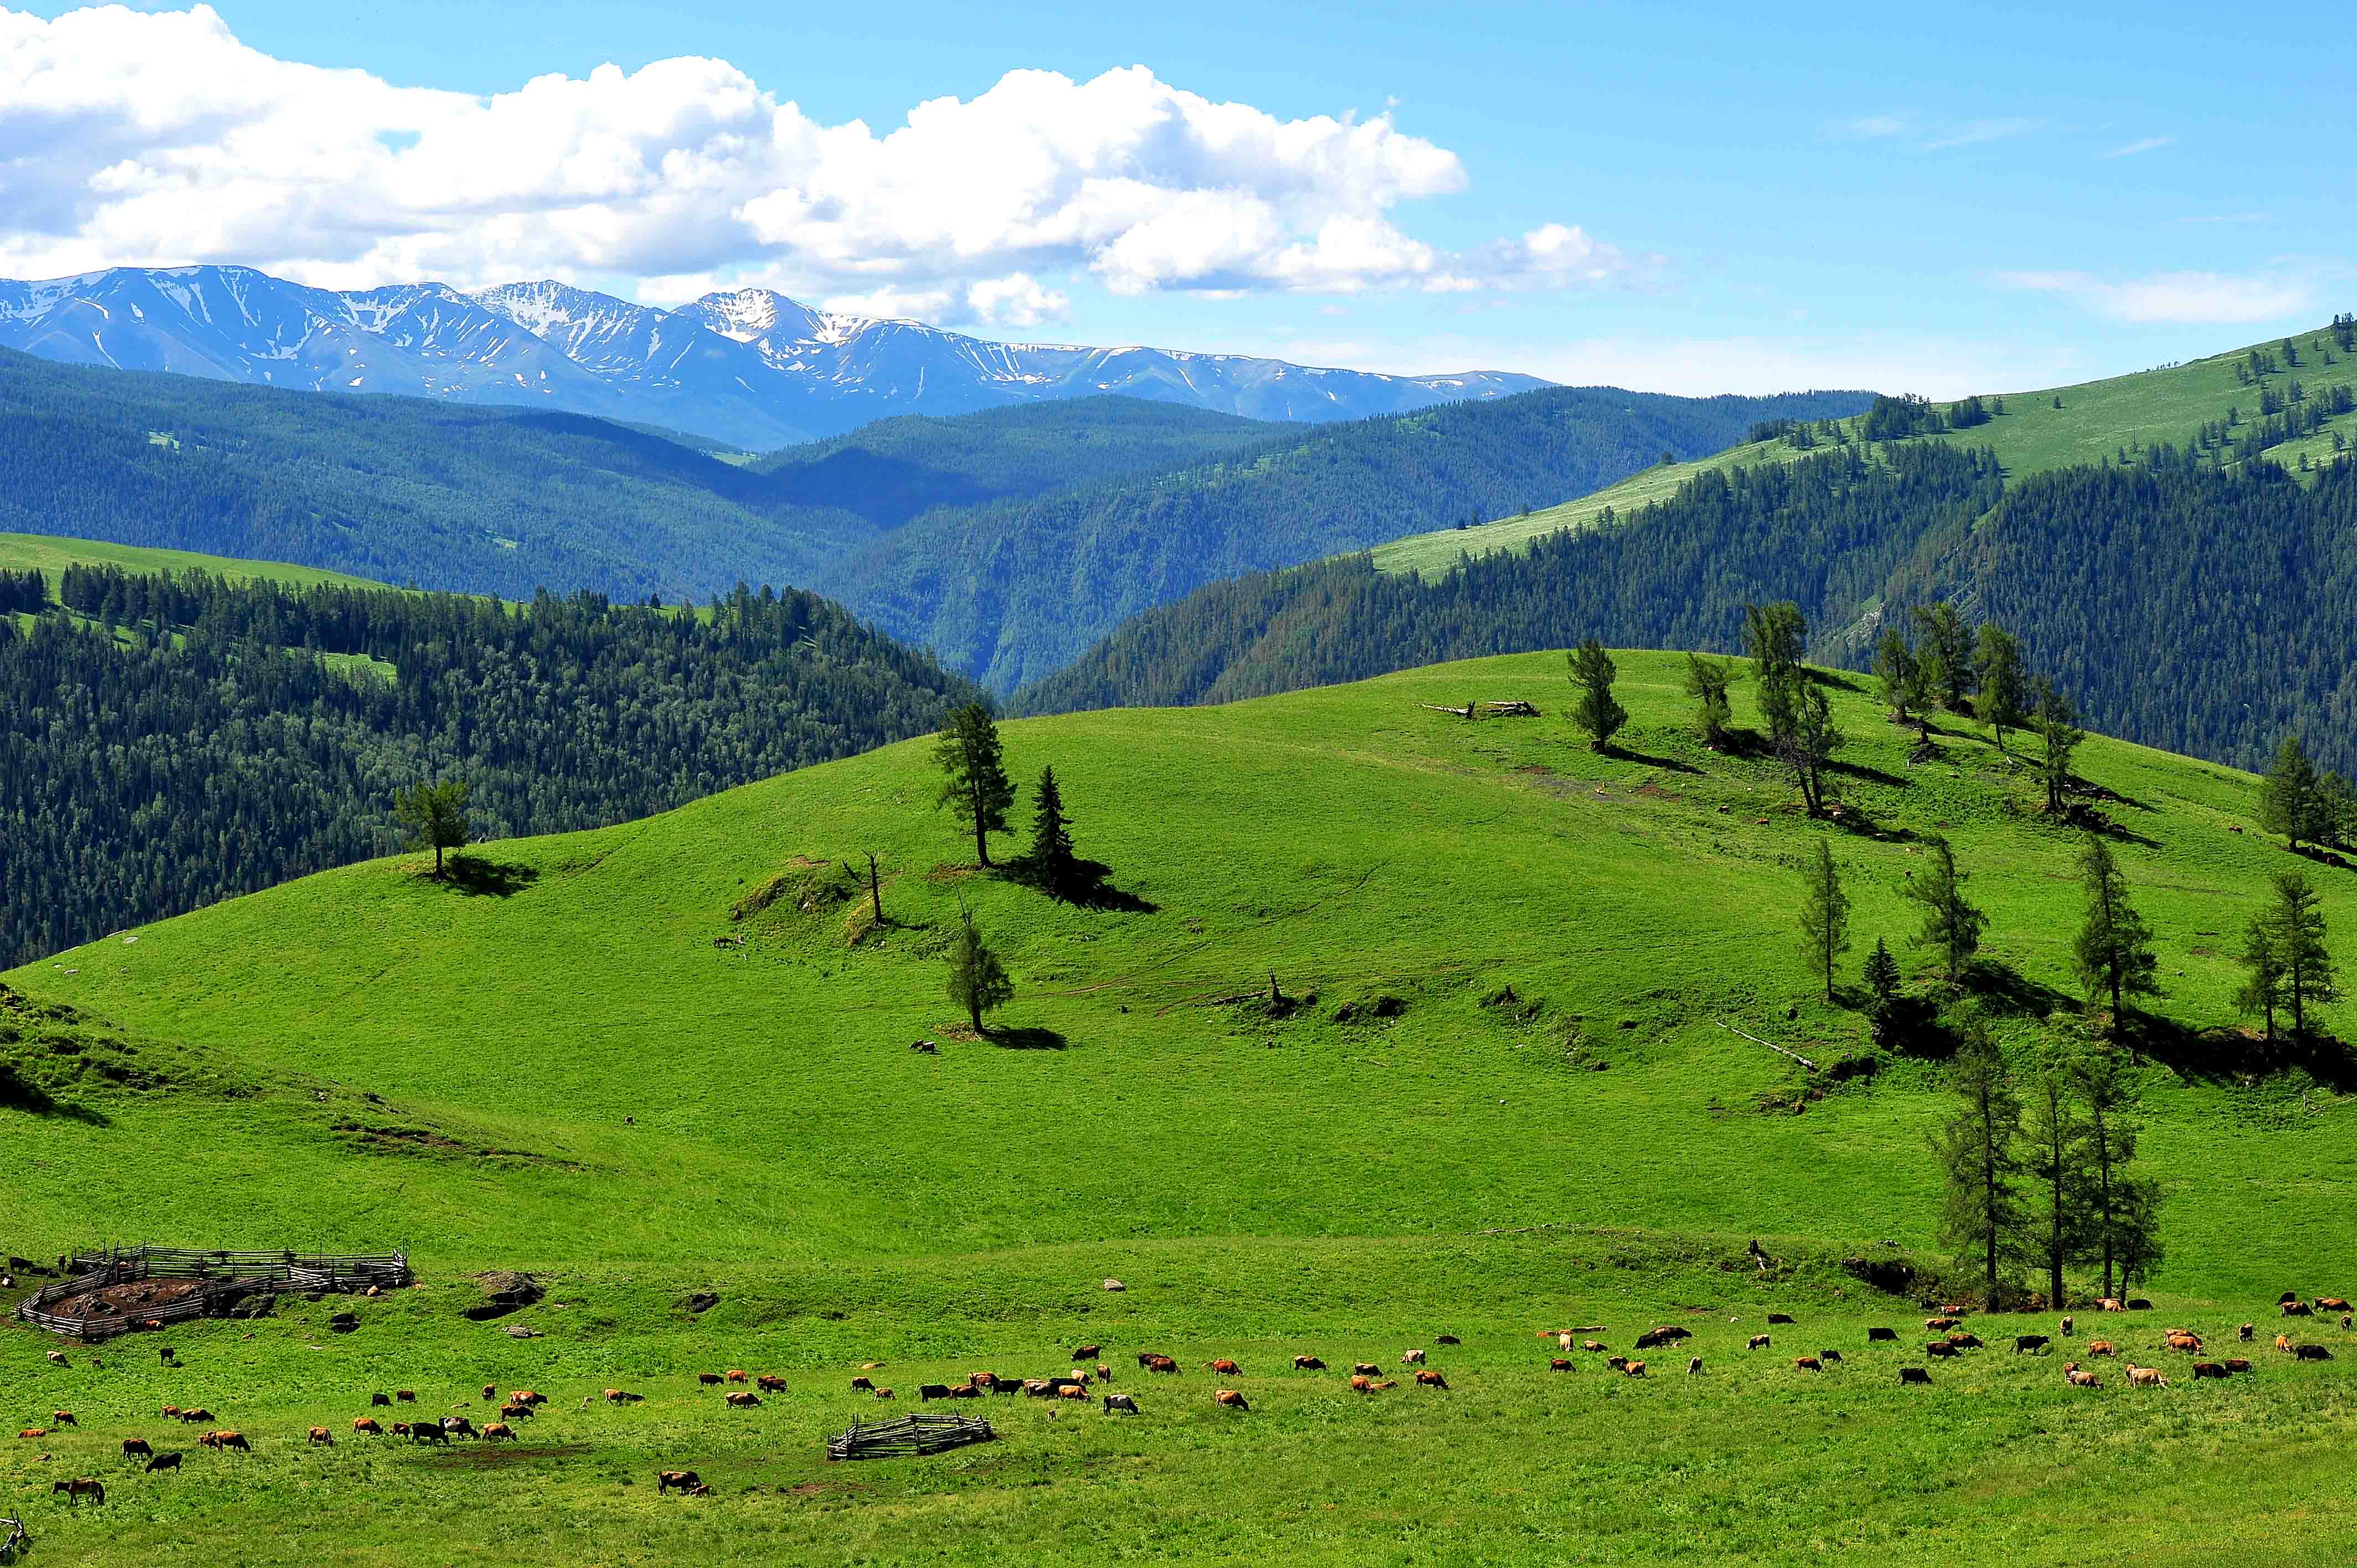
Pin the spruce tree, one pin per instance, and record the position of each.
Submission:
(436, 816)
(1947, 650)
(2057, 723)
(2287, 794)
(1707, 683)
(1052, 861)
(2307, 971)
(2003, 682)
(2263, 972)
(1980, 1212)
(1825, 915)
(974, 785)
(1593, 707)
(1951, 926)
(2114, 945)
(2055, 1159)
(978, 982)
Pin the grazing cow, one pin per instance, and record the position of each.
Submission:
(1148, 1358)
(515, 1412)
(62, 1418)
(163, 1462)
(1807, 1364)
(2208, 1369)
(1225, 1368)
(2237, 1364)
(1940, 1325)
(770, 1383)
(2079, 1380)
(1776, 1317)
(1078, 1375)
(2138, 1304)
(79, 1488)
(925, 1392)
(1828, 1356)
(1162, 1364)
(1428, 1379)
(2066, 1326)
(2313, 1353)
(1558, 1363)
(380, 1402)
(1627, 1370)
(429, 1432)
(1596, 1346)
(1307, 1364)
(2283, 1343)
(1757, 1342)
(1072, 1392)
(1361, 1383)
(459, 1426)
(1369, 1369)
(172, 1412)
(2346, 1320)
(367, 1426)
(742, 1399)
(2102, 1348)
(401, 1429)
(133, 1447)
(1447, 1339)
(1412, 1359)
(406, 1396)
(883, 1393)
(1038, 1389)
(2034, 1343)
(494, 1431)
(1563, 1342)
(2146, 1377)
(1963, 1341)
(491, 1392)
(1653, 1338)
(1006, 1385)
(2332, 1304)
(2111, 1303)
(2298, 1309)
(60, 1357)
(1913, 1375)
(685, 1480)
(737, 1375)
(861, 1381)
(1940, 1348)
(1229, 1398)
(1086, 1353)
(1875, 1335)
(623, 1396)
(188, 1416)
(712, 1380)
(35, 1433)
(322, 1436)
(1104, 1373)
(222, 1441)
(968, 1391)
(1125, 1403)
(2247, 1332)
(1617, 1363)
(1694, 1366)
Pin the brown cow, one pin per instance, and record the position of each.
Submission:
(1617, 1363)
(741, 1400)
(1596, 1346)
(2066, 1327)
(526, 1396)
(1225, 1368)
(2332, 1304)
(495, 1429)
(623, 1396)
(225, 1441)
(1162, 1364)
(2298, 1309)
(399, 1428)
(1412, 1359)
(1757, 1342)
(2237, 1364)
(172, 1412)
(712, 1380)
(35, 1433)
(1807, 1364)
(322, 1436)
(861, 1381)
(2208, 1369)
(1428, 1379)
(685, 1480)
(2182, 1339)
(1307, 1364)
(406, 1396)
(2111, 1303)
(1940, 1347)
(515, 1412)
(1367, 1369)
(2079, 1380)
(1072, 1392)
(1362, 1384)
(2146, 1377)
(1230, 1398)
(198, 1414)
(1558, 1363)
(1940, 1325)
(1913, 1375)
(770, 1383)
(1694, 1366)
(2102, 1348)
(134, 1447)
(1104, 1373)
(1631, 1370)
(367, 1424)
(2283, 1343)
(737, 1375)
(1963, 1341)
(79, 1487)
(490, 1391)
(883, 1393)
(1086, 1353)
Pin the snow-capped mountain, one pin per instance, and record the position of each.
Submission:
(748, 367)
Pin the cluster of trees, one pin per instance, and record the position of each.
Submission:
(219, 737)
(22, 593)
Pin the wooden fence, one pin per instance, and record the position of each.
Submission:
(229, 1277)
(911, 1434)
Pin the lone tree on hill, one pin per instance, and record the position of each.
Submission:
(2288, 795)
(1825, 915)
(1980, 1213)
(1052, 861)
(978, 980)
(2114, 945)
(2004, 684)
(436, 816)
(2307, 974)
(1594, 708)
(2263, 972)
(1707, 682)
(2054, 1139)
(974, 785)
(2057, 723)
(1951, 925)
(1946, 651)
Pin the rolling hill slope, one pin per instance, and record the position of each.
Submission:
(603, 1076)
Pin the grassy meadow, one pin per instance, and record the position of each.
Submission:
(29, 552)
(571, 1059)
(2097, 420)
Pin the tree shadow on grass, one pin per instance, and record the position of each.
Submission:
(477, 877)
(1087, 885)
(21, 1094)
(1870, 775)
(2218, 1055)
(1667, 763)
(2003, 989)
(1027, 1037)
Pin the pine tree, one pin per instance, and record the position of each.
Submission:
(1825, 915)
(1951, 926)
(1947, 650)
(1707, 683)
(1808, 743)
(2263, 971)
(1980, 1213)
(1051, 862)
(2308, 973)
(2114, 945)
(436, 816)
(1776, 635)
(1899, 673)
(974, 785)
(2003, 682)
(978, 980)
(2054, 1143)
(2058, 728)
(1593, 708)
(2287, 794)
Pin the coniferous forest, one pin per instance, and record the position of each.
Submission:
(182, 739)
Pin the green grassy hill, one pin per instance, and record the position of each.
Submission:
(2097, 420)
(578, 1062)
(33, 552)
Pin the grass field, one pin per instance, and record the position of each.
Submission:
(2097, 420)
(26, 552)
(553, 1064)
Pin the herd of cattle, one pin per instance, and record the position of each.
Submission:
(1089, 1377)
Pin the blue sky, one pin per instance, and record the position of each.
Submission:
(1700, 198)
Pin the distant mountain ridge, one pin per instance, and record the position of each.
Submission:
(749, 367)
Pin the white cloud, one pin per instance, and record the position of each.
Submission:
(128, 138)
(2184, 298)
(2148, 145)
(1979, 131)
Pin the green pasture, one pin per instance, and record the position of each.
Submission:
(27, 552)
(571, 1059)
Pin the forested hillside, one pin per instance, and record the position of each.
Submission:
(179, 739)
(2179, 604)
(1010, 591)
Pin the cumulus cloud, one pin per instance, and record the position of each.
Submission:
(131, 138)
(2183, 298)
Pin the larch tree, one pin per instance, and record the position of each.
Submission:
(1808, 743)
(1952, 925)
(2263, 973)
(974, 785)
(1899, 674)
(1947, 650)
(1776, 635)
(1707, 682)
(2114, 947)
(436, 816)
(2057, 723)
(1593, 707)
(2055, 1159)
(1825, 915)
(1980, 1209)
(2003, 683)
(978, 982)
